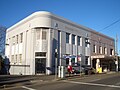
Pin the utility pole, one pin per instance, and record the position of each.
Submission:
(116, 54)
(56, 57)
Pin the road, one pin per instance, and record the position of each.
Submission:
(93, 82)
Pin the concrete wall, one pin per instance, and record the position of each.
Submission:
(57, 28)
(103, 41)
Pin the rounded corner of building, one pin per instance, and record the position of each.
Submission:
(7, 30)
(42, 13)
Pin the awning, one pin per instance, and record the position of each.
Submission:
(110, 57)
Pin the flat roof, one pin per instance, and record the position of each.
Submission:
(50, 15)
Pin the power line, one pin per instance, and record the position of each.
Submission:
(110, 25)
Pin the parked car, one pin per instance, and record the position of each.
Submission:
(86, 69)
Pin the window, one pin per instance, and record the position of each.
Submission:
(17, 39)
(67, 37)
(105, 50)
(111, 52)
(78, 40)
(20, 56)
(44, 35)
(13, 40)
(21, 37)
(73, 61)
(73, 39)
(40, 54)
(38, 34)
(100, 49)
(94, 48)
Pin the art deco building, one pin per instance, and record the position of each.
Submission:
(32, 43)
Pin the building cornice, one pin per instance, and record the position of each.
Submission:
(52, 16)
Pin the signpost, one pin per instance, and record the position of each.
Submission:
(73, 56)
(79, 59)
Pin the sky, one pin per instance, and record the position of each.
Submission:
(95, 14)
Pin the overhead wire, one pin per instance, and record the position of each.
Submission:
(110, 25)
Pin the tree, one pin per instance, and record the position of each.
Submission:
(2, 39)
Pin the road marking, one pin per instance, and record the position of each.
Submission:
(27, 88)
(93, 84)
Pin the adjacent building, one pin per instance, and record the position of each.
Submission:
(32, 43)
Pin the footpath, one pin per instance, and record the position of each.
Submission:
(9, 80)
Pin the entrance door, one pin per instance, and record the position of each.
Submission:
(40, 65)
(94, 63)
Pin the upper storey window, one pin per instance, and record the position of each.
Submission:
(100, 49)
(79, 40)
(67, 37)
(17, 39)
(73, 39)
(41, 33)
(21, 37)
(105, 50)
(38, 34)
(94, 48)
(13, 40)
(111, 52)
(44, 34)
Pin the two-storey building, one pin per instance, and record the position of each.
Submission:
(31, 44)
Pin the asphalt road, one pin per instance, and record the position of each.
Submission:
(94, 82)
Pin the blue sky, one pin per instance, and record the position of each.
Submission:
(95, 14)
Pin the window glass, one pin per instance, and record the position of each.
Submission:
(40, 54)
(17, 39)
(38, 34)
(78, 39)
(111, 51)
(94, 48)
(20, 56)
(100, 49)
(13, 40)
(67, 37)
(43, 35)
(73, 39)
(105, 50)
(21, 37)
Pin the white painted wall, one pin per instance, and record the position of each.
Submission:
(30, 45)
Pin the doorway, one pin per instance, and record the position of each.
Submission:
(94, 63)
(40, 65)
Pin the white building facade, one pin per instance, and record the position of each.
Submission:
(31, 44)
